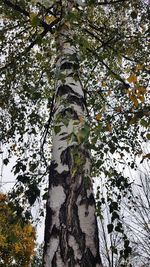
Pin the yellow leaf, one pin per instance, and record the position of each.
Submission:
(109, 92)
(17, 247)
(50, 19)
(141, 90)
(67, 24)
(147, 156)
(81, 120)
(103, 83)
(17, 239)
(98, 117)
(141, 98)
(2, 197)
(134, 100)
(132, 78)
(109, 127)
(139, 67)
(118, 109)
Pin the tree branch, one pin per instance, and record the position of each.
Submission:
(103, 44)
(111, 2)
(16, 7)
(108, 68)
(42, 34)
(27, 14)
(47, 129)
(27, 49)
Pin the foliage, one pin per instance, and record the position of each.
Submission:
(112, 37)
(17, 237)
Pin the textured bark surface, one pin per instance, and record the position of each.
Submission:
(71, 234)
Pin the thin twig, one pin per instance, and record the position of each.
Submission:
(47, 129)
(108, 68)
(111, 2)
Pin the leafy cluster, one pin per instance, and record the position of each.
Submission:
(17, 237)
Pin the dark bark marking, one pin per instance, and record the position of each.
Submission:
(54, 261)
(74, 231)
(77, 232)
(55, 231)
(78, 100)
(48, 223)
(90, 201)
(70, 256)
(65, 90)
(64, 133)
(71, 111)
(56, 179)
(67, 66)
(66, 156)
(62, 214)
(89, 260)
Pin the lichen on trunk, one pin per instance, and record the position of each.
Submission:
(71, 234)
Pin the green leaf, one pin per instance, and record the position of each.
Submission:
(33, 167)
(57, 129)
(118, 228)
(133, 14)
(83, 134)
(34, 20)
(5, 161)
(110, 228)
(126, 243)
(45, 196)
(144, 123)
(114, 249)
(148, 136)
(127, 252)
(113, 206)
(13, 238)
(32, 193)
(115, 215)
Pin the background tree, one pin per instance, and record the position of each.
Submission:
(112, 37)
(139, 223)
(17, 237)
(38, 257)
(132, 229)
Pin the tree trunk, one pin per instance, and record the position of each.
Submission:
(71, 233)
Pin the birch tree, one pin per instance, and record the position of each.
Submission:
(71, 234)
(74, 78)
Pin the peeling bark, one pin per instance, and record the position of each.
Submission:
(71, 233)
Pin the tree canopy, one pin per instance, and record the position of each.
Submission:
(112, 37)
